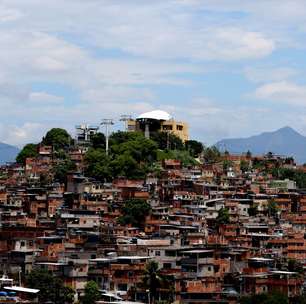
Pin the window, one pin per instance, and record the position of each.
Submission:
(167, 265)
(209, 268)
(179, 127)
(157, 253)
(167, 127)
(122, 287)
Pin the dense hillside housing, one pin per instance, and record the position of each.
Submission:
(207, 232)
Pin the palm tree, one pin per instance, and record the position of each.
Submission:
(152, 280)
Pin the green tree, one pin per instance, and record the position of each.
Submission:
(140, 148)
(252, 211)
(244, 166)
(98, 165)
(134, 212)
(249, 154)
(91, 293)
(264, 298)
(167, 140)
(212, 154)
(227, 164)
(51, 288)
(269, 155)
(296, 175)
(272, 208)
(126, 165)
(295, 266)
(194, 147)
(98, 141)
(29, 150)
(57, 138)
(61, 170)
(223, 217)
(183, 156)
(298, 300)
(152, 280)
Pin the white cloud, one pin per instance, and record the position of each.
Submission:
(107, 53)
(282, 91)
(269, 74)
(22, 134)
(44, 98)
(8, 14)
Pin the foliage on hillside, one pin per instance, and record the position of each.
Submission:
(134, 212)
(264, 298)
(296, 175)
(133, 156)
(130, 153)
(29, 150)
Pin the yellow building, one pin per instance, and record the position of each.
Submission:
(178, 128)
(161, 121)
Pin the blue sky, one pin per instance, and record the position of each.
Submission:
(229, 68)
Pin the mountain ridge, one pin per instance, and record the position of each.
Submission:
(284, 141)
(8, 153)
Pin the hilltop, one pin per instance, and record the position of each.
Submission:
(284, 141)
(8, 153)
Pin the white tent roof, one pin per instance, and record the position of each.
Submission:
(22, 289)
(156, 114)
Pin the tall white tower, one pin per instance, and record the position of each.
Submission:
(107, 123)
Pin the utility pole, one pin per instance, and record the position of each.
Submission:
(125, 119)
(107, 123)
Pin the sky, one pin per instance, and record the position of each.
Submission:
(229, 68)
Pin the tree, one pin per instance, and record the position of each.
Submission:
(51, 288)
(183, 156)
(272, 208)
(298, 300)
(61, 170)
(167, 140)
(98, 141)
(264, 298)
(227, 164)
(252, 211)
(223, 217)
(244, 166)
(126, 165)
(269, 155)
(249, 154)
(98, 165)
(134, 212)
(152, 280)
(29, 150)
(57, 138)
(212, 154)
(194, 147)
(140, 148)
(91, 293)
(295, 266)
(298, 176)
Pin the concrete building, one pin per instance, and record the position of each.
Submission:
(158, 121)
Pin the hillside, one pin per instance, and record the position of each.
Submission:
(8, 153)
(285, 141)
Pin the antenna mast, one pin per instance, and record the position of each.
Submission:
(107, 123)
(125, 119)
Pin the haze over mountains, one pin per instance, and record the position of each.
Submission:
(285, 141)
(8, 153)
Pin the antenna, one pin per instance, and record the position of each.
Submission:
(107, 123)
(125, 119)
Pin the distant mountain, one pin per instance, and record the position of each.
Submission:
(285, 141)
(8, 153)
